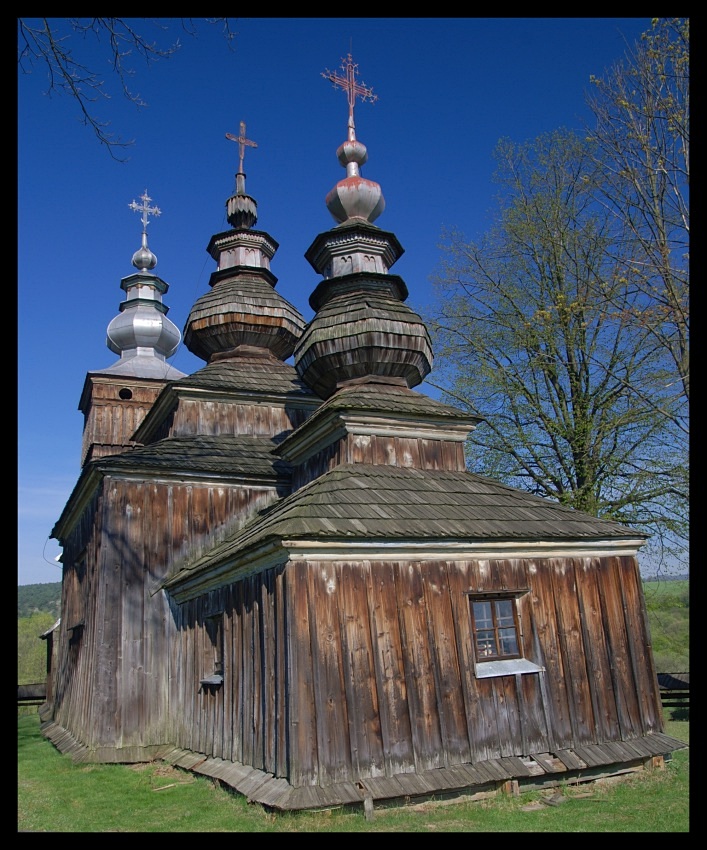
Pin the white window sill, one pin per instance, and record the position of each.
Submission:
(506, 667)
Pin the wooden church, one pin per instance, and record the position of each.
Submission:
(278, 572)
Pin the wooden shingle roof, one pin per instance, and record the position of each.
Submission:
(388, 503)
(223, 454)
(262, 374)
(392, 400)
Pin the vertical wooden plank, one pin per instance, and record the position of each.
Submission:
(281, 692)
(359, 671)
(228, 673)
(201, 701)
(268, 666)
(529, 687)
(447, 675)
(638, 627)
(300, 679)
(424, 718)
(431, 456)
(251, 669)
(157, 624)
(219, 719)
(333, 744)
(390, 670)
(570, 642)
(109, 622)
(384, 450)
(627, 707)
(598, 671)
(236, 683)
(553, 683)
(460, 582)
(188, 684)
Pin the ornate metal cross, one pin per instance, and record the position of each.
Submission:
(242, 142)
(350, 86)
(145, 209)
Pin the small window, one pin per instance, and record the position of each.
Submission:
(125, 394)
(213, 658)
(496, 632)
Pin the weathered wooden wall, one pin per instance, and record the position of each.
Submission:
(335, 670)
(394, 451)
(109, 420)
(199, 416)
(112, 679)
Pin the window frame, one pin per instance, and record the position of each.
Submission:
(503, 664)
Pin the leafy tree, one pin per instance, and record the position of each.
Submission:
(642, 145)
(44, 597)
(535, 330)
(54, 45)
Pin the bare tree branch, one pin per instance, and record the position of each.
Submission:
(54, 46)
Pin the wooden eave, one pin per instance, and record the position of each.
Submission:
(370, 409)
(223, 459)
(212, 383)
(84, 490)
(364, 511)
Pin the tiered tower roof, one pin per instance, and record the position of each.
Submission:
(242, 312)
(362, 330)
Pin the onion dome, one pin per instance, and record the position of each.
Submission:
(362, 330)
(142, 334)
(242, 308)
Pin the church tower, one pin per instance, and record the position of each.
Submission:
(115, 400)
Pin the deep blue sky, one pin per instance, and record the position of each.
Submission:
(448, 89)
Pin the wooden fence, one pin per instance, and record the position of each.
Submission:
(674, 690)
(33, 694)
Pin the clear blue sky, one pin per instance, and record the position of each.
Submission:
(448, 89)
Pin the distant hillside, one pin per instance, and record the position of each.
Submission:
(34, 598)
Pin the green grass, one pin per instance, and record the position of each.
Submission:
(56, 795)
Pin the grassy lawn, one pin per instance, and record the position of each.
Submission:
(56, 795)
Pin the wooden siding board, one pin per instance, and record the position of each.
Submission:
(596, 652)
(281, 698)
(258, 707)
(553, 679)
(570, 638)
(269, 670)
(447, 673)
(359, 674)
(333, 744)
(534, 719)
(615, 629)
(389, 670)
(247, 689)
(303, 733)
(458, 576)
(109, 620)
(639, 640)
(236, 684)
(229, 673)
(426, 735)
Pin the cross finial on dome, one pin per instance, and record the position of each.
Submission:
(353, 89)
(242, 142)
(144, 208)
(143, 258)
